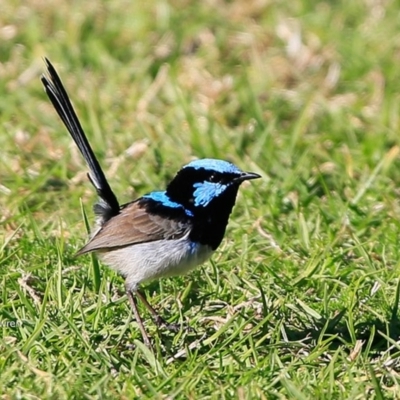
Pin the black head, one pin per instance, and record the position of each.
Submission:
(202, 182)
(208, 188)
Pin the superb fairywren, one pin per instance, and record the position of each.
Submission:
(163, 233)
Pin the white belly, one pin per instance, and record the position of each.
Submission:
(147, 261)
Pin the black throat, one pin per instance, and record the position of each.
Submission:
(209, 223)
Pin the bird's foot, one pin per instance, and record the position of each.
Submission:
(163, 324)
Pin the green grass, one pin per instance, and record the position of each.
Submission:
(301, 299)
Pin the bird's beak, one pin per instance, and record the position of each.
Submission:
(246, 176)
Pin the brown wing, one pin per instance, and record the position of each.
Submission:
(132, 226)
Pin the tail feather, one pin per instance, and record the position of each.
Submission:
(57, 94)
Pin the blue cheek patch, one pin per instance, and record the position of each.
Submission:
(162, 198)
(206, 191)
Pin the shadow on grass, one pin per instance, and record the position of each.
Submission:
(380, 334)
(377, 335)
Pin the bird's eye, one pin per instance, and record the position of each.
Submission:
(213, 178)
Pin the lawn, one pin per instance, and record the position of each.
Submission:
(301, 299)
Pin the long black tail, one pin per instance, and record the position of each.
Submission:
(57, 94)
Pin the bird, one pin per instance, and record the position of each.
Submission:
(162, 233)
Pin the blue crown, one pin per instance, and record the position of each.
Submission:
(214, 165)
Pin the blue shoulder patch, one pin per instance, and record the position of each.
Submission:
(214, 165)
(162, 198)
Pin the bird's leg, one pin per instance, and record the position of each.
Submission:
(159, 321)
(139, 321)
